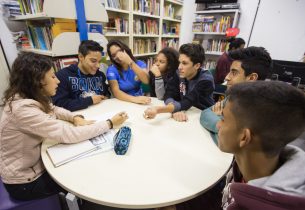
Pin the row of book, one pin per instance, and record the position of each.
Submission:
(117, 25)
(41, 34)
(149, 62)
(61, 63)
(205, 19)
(31, 6)
(11, 8)
(21, 40)
(219, 26)
(170, 28)
(141, 46)
(145, 26)
(117, 4)
(209, 64)
(151, 7)
(215, 45)
(174, 43)
(169, 11)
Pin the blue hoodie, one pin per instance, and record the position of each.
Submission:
(72, 85)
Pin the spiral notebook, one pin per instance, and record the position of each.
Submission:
(63, 153)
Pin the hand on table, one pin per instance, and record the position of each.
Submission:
(143, 100)
(150, 113)
(180, 116)
(119, 118)
(98, 98)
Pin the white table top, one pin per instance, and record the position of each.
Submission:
(167, 162)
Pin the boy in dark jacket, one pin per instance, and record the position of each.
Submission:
(82, 84)
(190, 86)
(259, 120)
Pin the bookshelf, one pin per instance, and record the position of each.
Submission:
(209, 30)
(94, 10)
(39, 16)
(145, 24)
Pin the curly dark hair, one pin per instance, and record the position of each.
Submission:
(25, 79)
(172, 57)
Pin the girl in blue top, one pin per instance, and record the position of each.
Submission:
(126, 74)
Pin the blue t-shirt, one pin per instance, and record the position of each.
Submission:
(130, 83)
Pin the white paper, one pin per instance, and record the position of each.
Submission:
(64, 153)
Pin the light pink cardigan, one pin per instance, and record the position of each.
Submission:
(22, 132)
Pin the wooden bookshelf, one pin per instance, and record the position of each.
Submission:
(214, 41)
(67, 43)
(94, 10)
(128, 11)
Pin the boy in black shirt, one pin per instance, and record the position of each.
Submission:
(190, 86)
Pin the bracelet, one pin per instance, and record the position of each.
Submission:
(110, 122)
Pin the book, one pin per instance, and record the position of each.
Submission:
(95, 28)
(61, 154)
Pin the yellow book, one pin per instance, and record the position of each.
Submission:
(58, 28)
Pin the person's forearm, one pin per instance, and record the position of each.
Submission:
(124, 96)
(169, 108)
(142, 75)
(159, 88)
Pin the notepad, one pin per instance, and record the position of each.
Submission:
(63, 153)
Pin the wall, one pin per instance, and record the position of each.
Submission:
(280, 28)
(247, 13)
(186, 34)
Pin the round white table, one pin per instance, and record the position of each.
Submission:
(167, 162)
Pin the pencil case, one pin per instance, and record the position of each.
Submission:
(121, 140)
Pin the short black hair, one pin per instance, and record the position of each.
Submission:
(194, 51)
(253, 60)
(89, 45)
(236, 43)
(273, 111)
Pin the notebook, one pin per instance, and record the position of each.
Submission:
(63, 153)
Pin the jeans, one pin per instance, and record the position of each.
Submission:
(42, 187)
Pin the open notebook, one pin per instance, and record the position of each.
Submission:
(64, 153)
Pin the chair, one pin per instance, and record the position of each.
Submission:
(8, 203)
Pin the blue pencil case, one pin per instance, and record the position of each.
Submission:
(121, 140)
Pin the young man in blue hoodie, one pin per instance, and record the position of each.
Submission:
(259, 120)
(82, 84)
